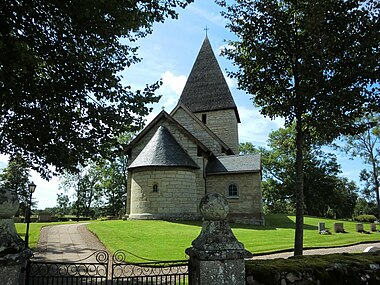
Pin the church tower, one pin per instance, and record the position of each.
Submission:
(207, 95)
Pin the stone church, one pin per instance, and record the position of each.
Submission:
(193, 150)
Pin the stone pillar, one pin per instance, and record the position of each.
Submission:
(216, 256)
(13, 254)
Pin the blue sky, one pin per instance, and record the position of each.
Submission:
(169, 53)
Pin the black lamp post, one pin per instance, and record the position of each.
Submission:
(31, 188)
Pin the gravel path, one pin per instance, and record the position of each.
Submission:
(322, 251)
(66, 243)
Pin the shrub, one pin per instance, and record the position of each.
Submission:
(365, 218)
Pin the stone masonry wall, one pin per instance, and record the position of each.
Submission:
(224, 124)
(247, 207)
(176, 196)
(196, 130)
(330, 269)
(186, 143)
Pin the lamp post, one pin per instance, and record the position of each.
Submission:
(31, 189)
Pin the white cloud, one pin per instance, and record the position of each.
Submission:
(172, 82)
(171, 89)
(255, 127)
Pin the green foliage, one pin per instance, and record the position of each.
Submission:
(326, 194)
(248, 148)
(363, 207)
(366, 145)
(63, 204)
(62, 97)
(365, 218)
(15, 177)
(314, 63)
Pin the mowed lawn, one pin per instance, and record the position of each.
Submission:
(164, 240)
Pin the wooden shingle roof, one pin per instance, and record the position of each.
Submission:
(206, 88)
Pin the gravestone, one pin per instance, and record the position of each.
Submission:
(373, 227)
(359, 228)
(338, 228)
(216, 256)
(321, 227)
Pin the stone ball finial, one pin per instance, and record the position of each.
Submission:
(214, 207)
(8, 204)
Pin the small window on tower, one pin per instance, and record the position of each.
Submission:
(155, 187)
(204, 119)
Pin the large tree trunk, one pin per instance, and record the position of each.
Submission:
(376, 186)
(298, 239)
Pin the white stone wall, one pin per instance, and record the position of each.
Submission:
(224, 124)
(186, 143)
(247, 207)
(197, 131)
(176, 196)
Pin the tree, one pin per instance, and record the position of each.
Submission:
(248, 148)
(63, 204)
(326, 194)
(86, 186)
(61, 93)
(315, 63)
(15, 177)
(367, 146)
(113, 185)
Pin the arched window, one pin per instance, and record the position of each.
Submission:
(233, 191)
(155, 187)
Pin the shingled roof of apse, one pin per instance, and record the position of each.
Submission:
(234, 163)
(163, 150)
(206, 88)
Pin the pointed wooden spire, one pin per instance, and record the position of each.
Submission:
(206, 88)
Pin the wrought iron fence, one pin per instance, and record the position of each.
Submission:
(91, 270)
(99, 269)
(154, 272)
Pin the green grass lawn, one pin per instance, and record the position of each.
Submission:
(164, 240)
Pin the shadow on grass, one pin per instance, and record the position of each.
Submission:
(272, 222)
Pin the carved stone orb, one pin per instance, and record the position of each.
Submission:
(8, 204)
(214, 207)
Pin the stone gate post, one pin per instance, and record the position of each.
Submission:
(13, 254)
(216, 256)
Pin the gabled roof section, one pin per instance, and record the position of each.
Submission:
(163, 115)
(202, 126)
(163, 150)
(234, 164)
(206, 88)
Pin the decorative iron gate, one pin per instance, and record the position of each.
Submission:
(91, 270)
(154, 272)
(99, 269)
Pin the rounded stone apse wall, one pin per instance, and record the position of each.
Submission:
(163, 193)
